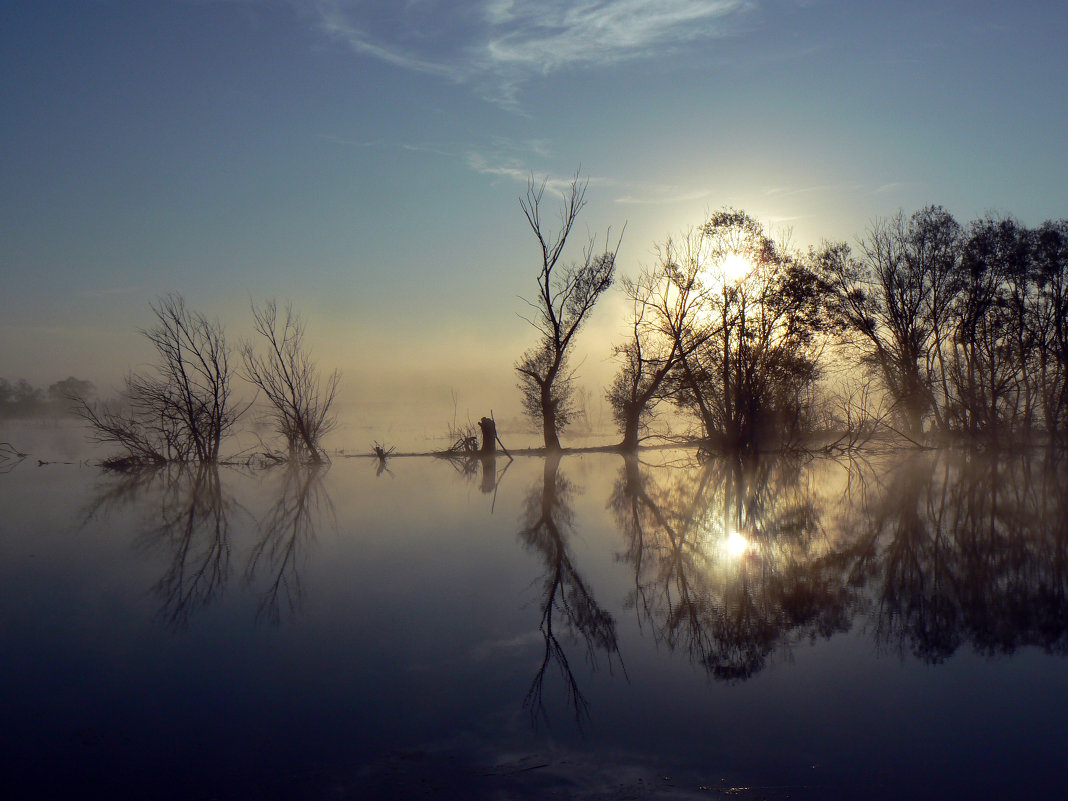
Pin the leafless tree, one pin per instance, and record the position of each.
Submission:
(566, 294)
(666, 326)
(992, 345)
(896, 299)
(285, 373)
(183, 409)
(1049, 315)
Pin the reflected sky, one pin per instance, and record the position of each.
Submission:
(586, 626)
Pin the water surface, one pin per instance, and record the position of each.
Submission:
(575, 628)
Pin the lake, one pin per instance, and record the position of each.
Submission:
(892, 626)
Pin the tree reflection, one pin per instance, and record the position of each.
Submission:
(189, 522)
(285, 533)
(567, 602)
(186, 516)
(729, 560)
(734, 559)
(967, 548)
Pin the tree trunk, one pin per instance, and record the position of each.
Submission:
(630, 431)
(552, 441)
(548, 418)
(489, 435)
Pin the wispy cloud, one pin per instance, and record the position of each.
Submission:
(783, 191)
(544, 36)
(412, 147)
(103, 292)
(519, 170)
(896, 186)
(342, 20)
(499, 45)
(658, 196)
(516, 170)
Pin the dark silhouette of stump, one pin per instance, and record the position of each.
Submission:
(489, 435)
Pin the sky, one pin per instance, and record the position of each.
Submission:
(365, 159)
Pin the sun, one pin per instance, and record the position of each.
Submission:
(737, 544)
(735, 267)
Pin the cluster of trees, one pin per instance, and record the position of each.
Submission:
(965, 328)
(184, 407)
(20, 399)
(948, 329)
(943, 329)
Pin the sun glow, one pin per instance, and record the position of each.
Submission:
(737, 544)
(735, 267)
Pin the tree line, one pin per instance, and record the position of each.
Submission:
(20, 399)
(929, 328)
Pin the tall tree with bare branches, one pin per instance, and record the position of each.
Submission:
(285, 373)
(183, 409)
(566, 294)
(666, 301)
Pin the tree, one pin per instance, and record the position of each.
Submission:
(566, 294)
(1050, 320)
(992, 343)
(300, 400)
(896, 302)
(665, 327)
(20, 399)
(65, 394)
(183, 409)
(750, 353)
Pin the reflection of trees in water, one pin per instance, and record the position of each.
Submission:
(188, 519)
(285, 533)
(729, 610)
(967, 548)
(566, 599)
(941, 549)
(189, 522)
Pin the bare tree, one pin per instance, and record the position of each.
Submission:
(566, 294)
(897, 300)
(992, 342)
(183, 409)
(1050, 320)
(300, 399)
(665, 328)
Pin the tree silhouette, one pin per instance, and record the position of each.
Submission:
(895, 301)
(666, 326)
(183, 409)
(746, 367)
(299, 398)
(566, 295)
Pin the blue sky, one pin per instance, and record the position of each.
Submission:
(364, 159)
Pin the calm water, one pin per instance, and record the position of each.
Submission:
(588, 629)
